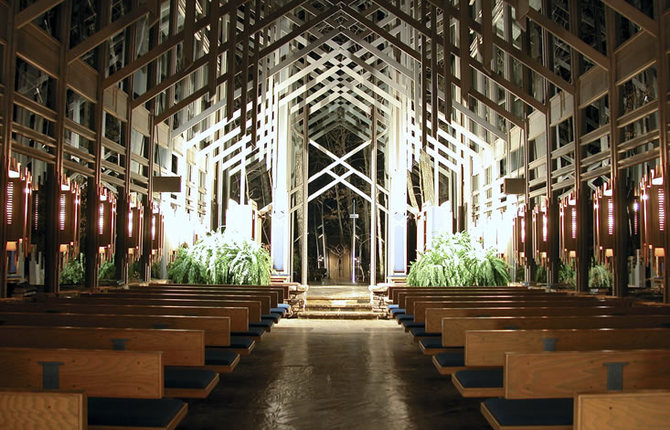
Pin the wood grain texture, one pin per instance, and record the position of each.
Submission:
(562, 374)
(404, 295)
(99, 373)
(264, 300)
(488, 347)
(643, 410)
(217, 329)
(253, 307)
(239, 316)
(38, 410)
(434, 314)
(179, 347)
(417, 305)
(454, 328)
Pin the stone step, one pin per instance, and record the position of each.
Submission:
(349, 315)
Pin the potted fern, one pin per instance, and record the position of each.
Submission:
(458, 260)
(221, 258)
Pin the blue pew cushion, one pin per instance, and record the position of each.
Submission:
(451, 359)
(104, 411)
(413, 324)
(404, 317)
(421, 332)
(240, 342)
(531, 412)
(251, 331)
(188, 377)
(270, 317)
(391, 307)
(431, 342)
(481, 378)
(219, 356)
(397, 311)
(265, 324)
(280, 311)
(284, 306)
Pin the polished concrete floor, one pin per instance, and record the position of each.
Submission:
(335, 374)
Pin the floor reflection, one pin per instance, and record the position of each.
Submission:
(335, 374)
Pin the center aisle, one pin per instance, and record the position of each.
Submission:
(335, 374)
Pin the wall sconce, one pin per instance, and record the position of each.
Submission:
(19, 202)
(520, 233)
(603, 217)
(157, 231)
(69, 208)
(652, 215)
(568, 215)
(135, 228)
(541, 230)
(106, 227)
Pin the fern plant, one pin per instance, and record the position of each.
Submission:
(73, 272)
(458, 260)
(600, 277)
(221, 258)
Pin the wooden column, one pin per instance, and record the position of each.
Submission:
(373, 203)
(663, 74)
(305, 194)
(8, 77)
(584, 231)
(620, 265)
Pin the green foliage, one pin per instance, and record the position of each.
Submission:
(541, 274)
(600, 277)
(73, 272)
(566, 275)
(107, 270)
(458, 260)
(221, 258)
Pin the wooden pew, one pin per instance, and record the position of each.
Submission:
(539, 387)
(263, 299)
(393, 291)
(403, 296)
(433, 315)
(429, 336)
(253, 307)
(275, 295)
(217, 329)
(454, 328)
(32, 409)
(239, 317)
(283, 290)
(491, 355)
(183, 350)
(122, 386)
(418, 305)
(628, 410)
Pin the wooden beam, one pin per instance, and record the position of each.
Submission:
(571, 38)
(634, 14)
(33, 11)
(106, 32)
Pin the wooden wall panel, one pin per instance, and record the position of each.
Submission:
(83, 79)
(39, 49)
(635, 56)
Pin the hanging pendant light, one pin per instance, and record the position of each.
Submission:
(106, 228)
(652, 216)
(19, 201)
(69, 211)
(157, 231)
(135, 228)
(568, 215)
(603, 217)
(520, 234)
(541, 230)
